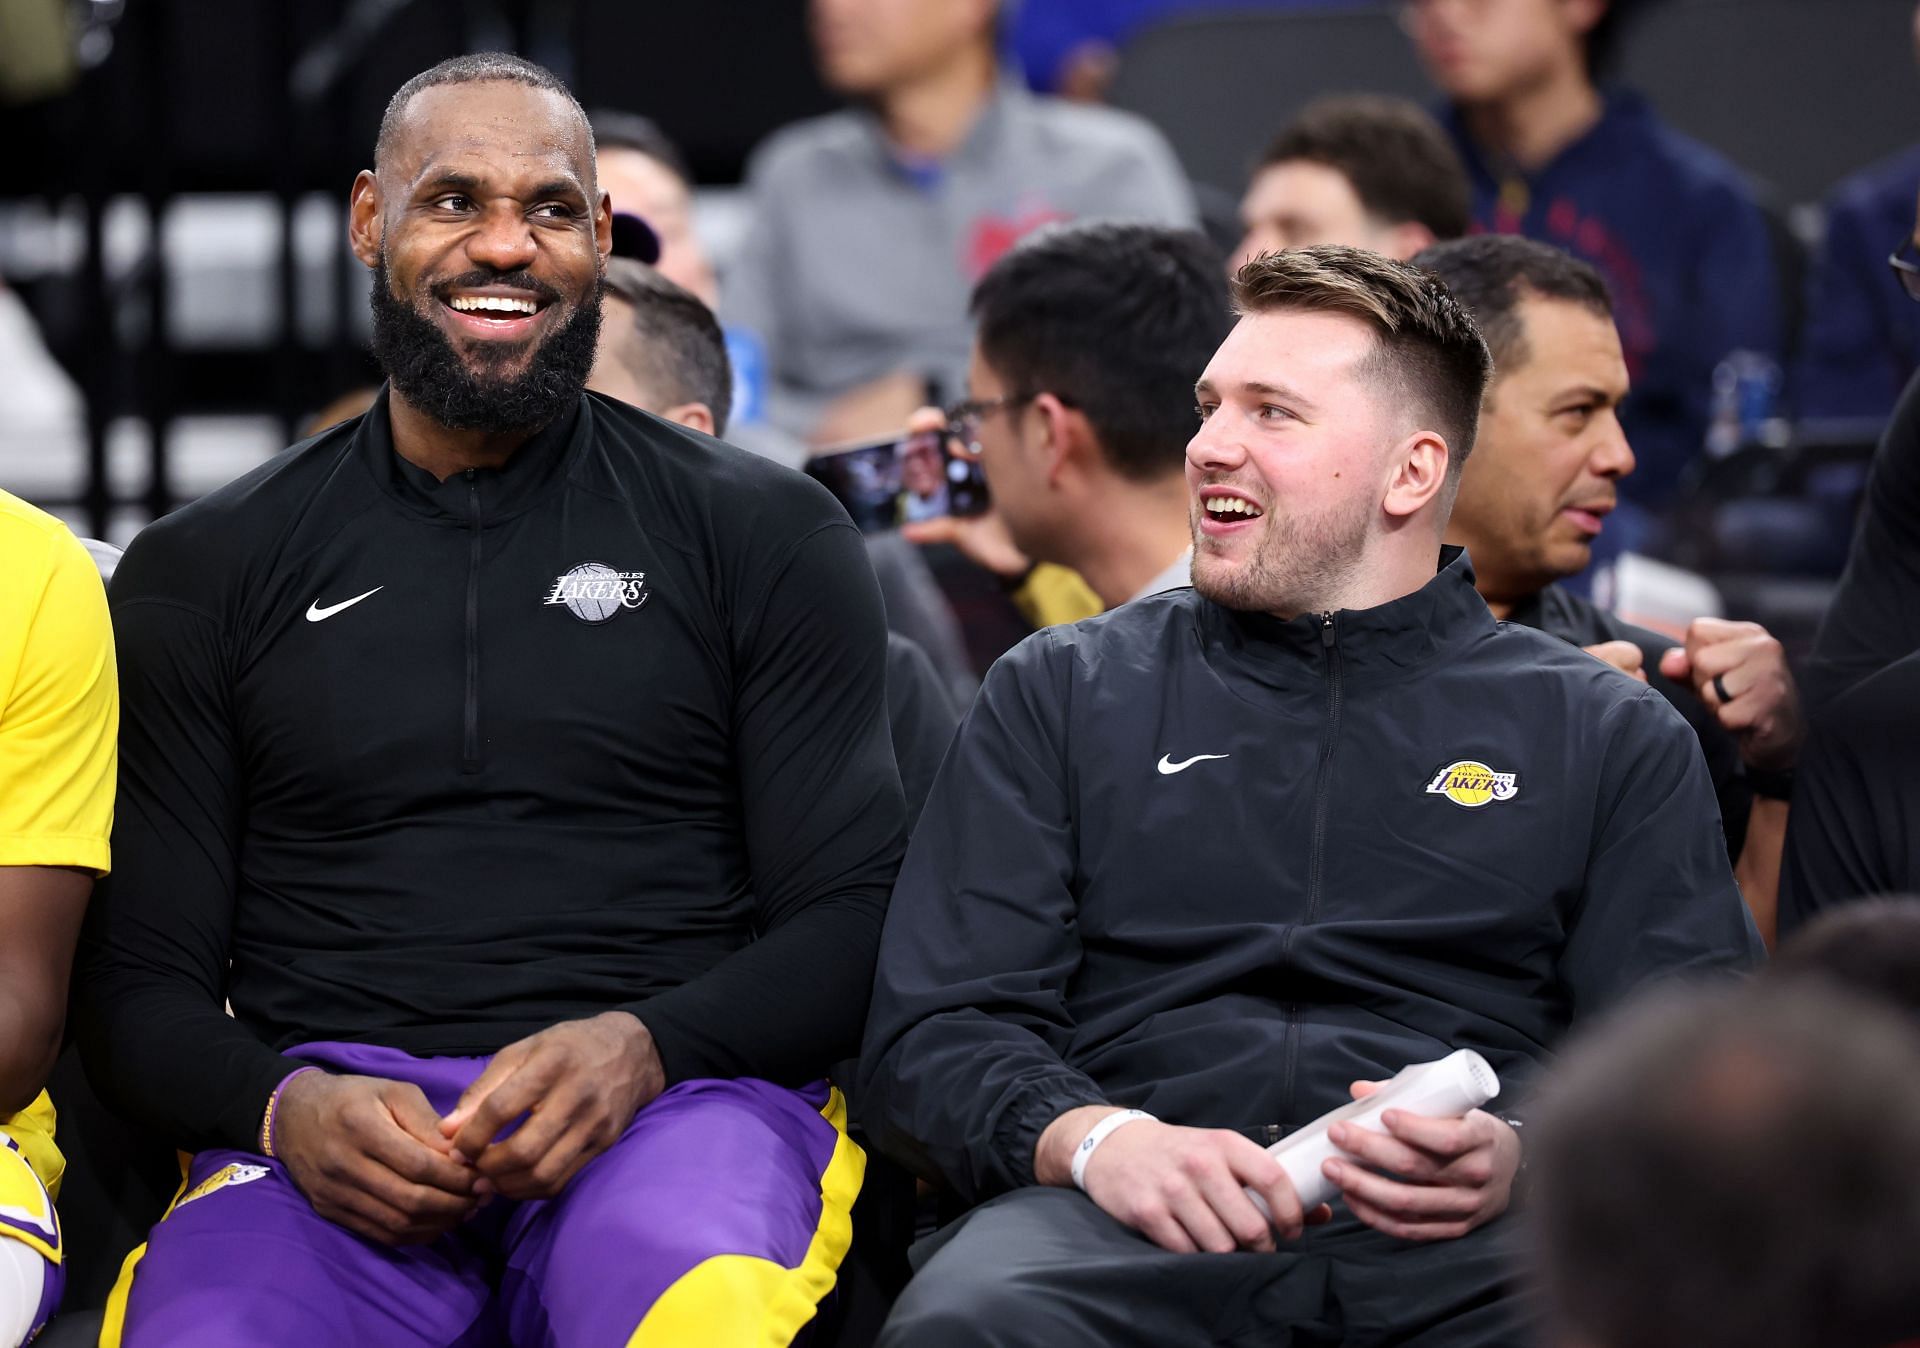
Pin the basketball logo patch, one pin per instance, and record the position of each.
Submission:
(593, 591)
(1470, 784)
(220, 1179)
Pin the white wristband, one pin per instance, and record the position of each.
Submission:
(1095, 1136)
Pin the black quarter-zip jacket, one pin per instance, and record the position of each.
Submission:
(436, 765)
(1217, 866)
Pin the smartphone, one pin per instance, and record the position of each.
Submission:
(887, 483)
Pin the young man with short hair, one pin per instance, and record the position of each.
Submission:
(1224, 855)
(1080, 404)
(1369, 172)
(1669, 223)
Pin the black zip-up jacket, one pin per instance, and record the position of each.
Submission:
(436, 765)
(1217, 866)
(1561, 613)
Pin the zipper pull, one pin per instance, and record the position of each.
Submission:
(1326, 629)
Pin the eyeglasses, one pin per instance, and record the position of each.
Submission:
(1905, 261)
(964, 419)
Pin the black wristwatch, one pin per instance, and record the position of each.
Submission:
(1771, 785)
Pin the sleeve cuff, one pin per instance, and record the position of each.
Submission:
(680, 1055)
(1016, 1133)
(239, 1125)
(87, 852)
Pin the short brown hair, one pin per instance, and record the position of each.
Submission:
(1426, 347)
(676, 349)
(1400, 163)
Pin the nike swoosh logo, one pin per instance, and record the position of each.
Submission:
(1168, 767)
(316, 614)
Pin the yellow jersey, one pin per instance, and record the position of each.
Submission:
(59, 727)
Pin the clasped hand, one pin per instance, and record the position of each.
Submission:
(372, 1155)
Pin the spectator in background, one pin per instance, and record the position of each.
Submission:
(1375, 173)
(643, 173)
(870, 225)
(662, 351)
(1871, 948)
(1545, 474)
(1733, 1170)
(59, 715)
(1856, 806)
(1861, 341)
(1080, 406)
(1673, 228)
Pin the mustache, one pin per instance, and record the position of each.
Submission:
(521, 279)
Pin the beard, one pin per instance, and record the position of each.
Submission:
(431, 374)
(1300, 563)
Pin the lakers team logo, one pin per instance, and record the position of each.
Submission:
(220, 1179)
(1472, 784)
(593, 591)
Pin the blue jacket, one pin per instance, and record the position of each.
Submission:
(1684, 248)
(1862, 337)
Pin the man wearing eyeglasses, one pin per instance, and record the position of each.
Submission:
(1088, 340)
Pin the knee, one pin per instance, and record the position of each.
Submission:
(965, 1304)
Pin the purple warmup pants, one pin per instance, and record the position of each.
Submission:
(719, 1217)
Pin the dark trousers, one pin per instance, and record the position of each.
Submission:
(1046, 1267)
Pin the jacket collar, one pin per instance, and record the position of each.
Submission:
(535, 468)
(1403, 634)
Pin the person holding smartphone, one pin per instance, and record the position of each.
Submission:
(1089, 337)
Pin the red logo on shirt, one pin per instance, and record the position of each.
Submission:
(992, 235)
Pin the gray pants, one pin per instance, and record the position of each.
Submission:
(1047, 1268)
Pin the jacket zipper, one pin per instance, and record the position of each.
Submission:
(470, 743)
(1316, 857)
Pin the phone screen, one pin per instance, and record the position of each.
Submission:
(887, 483)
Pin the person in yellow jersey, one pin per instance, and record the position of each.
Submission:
(59, 720)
